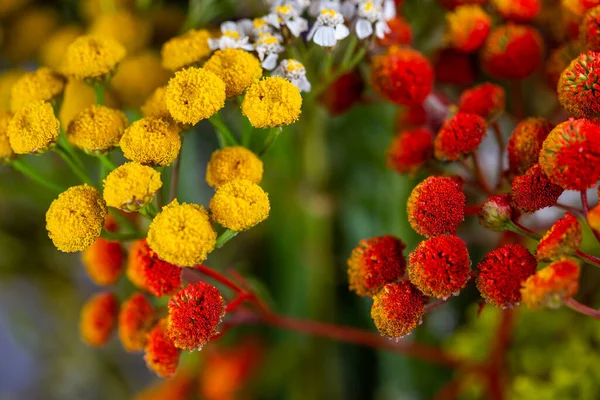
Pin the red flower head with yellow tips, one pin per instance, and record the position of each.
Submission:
(486, 100)
(578, 86)
(534, 190)
(562, 239)
(589, 29)
(135, 320)
(525, 143)
(459, 135)
(551, 286)
(409, 150)
(517, 10)
(150, 273)
(467, 27)
(397, 309)
(161, 355)
(98, 318)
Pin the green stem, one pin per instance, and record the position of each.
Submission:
(27, 170)
(99, 89)
(270, 140)
(80, 172)
(121, 219)
(107, 162)
(225, 237)
(64, 143)
(122, 237)
(349, 51)
(223, 131)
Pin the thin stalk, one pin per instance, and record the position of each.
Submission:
(583, 309)
(175, 178)
(270, 140)
(500, 142)
(225, 237)
(77, 170)
(27, 170)
(349, 51)
(65, 144)
(107, 162)
(479, 175)
(99, 90)
(226, 137)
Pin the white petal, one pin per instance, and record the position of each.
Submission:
(270, 62)
(297, 26)
(389, 9)
(273, 19)
(381, 28)
(245, 26)
(303, 84)
(363, 28)
(325, 36)
(228, 26)
(348, 10)
(214, 44)
(312, 31)
(341, 31)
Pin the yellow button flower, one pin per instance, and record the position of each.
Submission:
(7, 80)
(132, 31)
(97, 129)
(33, 129)
(182, 234)
(75, 219)
(194, 94)
(77, 97)
(151, 141)
(131, 186)
(233, 163)
(185, 50)
(42, 84)
(92, 58)
(239, 205)
(272, 102)
(53, 50)
(236, 67)
(156, 105)
(6, 152)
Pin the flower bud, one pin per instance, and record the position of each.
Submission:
(496, 213)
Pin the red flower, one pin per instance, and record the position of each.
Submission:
(343, 93)
(440, 266)
(590, 29)
(162, 357)
(467, 27)
(512, 52)
(526, 142)
(496, 213)
(397, 309)
(551, 286)
(400, 33)
(98, 318)
(517, 10)
(578, 86)
(410, 117)
(570, 156)
(409, 150)
(534, 191)
(135, 320)
(194, 314)
(436, 206)
(374, 263)
(502, 272)
(402, 75)
(562, 239)
(454, 68)
(103, 261)
(452, 4)
(149, 272)
(486, 100)
(459, 135)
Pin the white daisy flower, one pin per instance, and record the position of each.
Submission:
(232, 37)
(317, 6)
(295, 72)
(299, 5)
(369, 15)
(288, 16)
(268, 48)
(328, 29)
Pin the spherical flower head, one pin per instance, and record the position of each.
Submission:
(402, 75)
(75, 219)
(525, 143)
(399, 34)
(562, 239)
(97, 129)
(131, 186)
(343, 93)
(496, 213)
(92, 58)
(161, 355)
(148, 272)
(239, 205)
(185, 50)
(156, 105)
(33, 129)
(236, 67)
(397, 309)
(486, 100)
(534, 190)
(590, 29)
(577, 86)
(151, 141)
(453, 4)
(133, 87)
(454, 67)
(53, 50)
(98, 319)
(272, 102)
(459, 135)
(440, 266)
(103, 261)
(182, 234)
(551, 286)
(43, 84)
(194, 314)
(132, 31)
(517, 10)
(410, 150)
(6, 152)
(467, 27)
(231, 163)
(436, 206)
(502, 272)
(512, 52)
(135, 321)
(374, 263)
(570, 155)
(194, 94)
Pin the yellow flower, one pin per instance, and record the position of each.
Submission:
(185, 50)
(75, 219)
(132, 31)
(27, 31)
(236, 67)
(233, 163)
(97, 129)
(93, 58)
(272, 102)
(53, 50)
(33, 129)
(7, 80)
(42, 84)
(6, 152)
(131, 186)
(137, 77)
(151, 141)
(182, 234)
(77, 97)
(239, 205)
(156, 105)
(194, 94)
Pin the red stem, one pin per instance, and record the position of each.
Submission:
(500, 141)
(588, 257)
(479, 175)
(218, 277)
(496, 373)
(577, 306)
